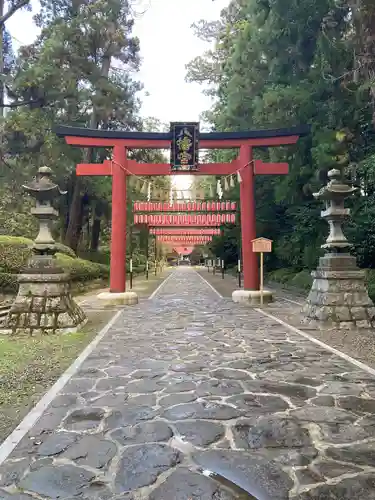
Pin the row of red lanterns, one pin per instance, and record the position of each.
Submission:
(190, 206)
(185, 232)
(184, 220)
(190, 239)
(184, 243)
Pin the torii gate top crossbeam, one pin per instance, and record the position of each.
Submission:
(85, 137)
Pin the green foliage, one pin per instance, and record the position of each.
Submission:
(16, 250)
(100, 256)
(14, 253)
(289, 277)
(282, 276)
(277, 64)
(81, 70)
(226, 246)
(371, 284)
(302, 280)
(82, 270)
(8, 283)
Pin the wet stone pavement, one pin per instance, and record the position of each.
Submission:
(192, 397)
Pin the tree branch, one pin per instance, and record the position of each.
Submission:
(12, 10)
(24, 103)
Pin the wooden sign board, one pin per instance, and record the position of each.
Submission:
(262, 245)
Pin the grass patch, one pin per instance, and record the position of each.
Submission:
(29, 366)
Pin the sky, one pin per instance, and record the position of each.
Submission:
(167, 44)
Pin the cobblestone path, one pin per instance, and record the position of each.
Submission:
(186, 385)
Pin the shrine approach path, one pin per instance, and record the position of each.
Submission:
(190, 396)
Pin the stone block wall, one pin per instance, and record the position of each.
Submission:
(44, 306)
(340, 297)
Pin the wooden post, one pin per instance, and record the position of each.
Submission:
(261, 278)
(147, 238)
(131, 272)
(239, 272)
(261, 246)
(118, 233)
(155, 270)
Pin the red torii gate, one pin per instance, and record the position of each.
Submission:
(120, 167)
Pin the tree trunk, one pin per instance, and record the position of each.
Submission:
(75, 224)
(75, 216)
(95, 235)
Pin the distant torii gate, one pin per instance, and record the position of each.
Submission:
(120, 167)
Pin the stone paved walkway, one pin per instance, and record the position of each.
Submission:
(187, 385)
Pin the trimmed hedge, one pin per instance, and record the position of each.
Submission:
(82, 270)
(16, 250)
(99, 256)
(104, 257)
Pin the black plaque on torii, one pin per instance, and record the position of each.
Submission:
(185, 146)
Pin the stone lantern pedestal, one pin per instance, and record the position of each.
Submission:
(44, 303)
(338, 296)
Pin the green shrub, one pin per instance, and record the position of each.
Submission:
(370, 280)
(82, 270)
(79, 270)
(282, 275)
(8, 283)
(100, 257)
(16, 250)
(138, 269)
(139, 260)
(292, 277)
(66, 250)
(302, 280)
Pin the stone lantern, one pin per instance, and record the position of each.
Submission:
(338, 295)
(44, 303)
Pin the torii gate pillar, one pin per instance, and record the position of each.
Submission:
(117, 280)
(248, 219)
(118, 229)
